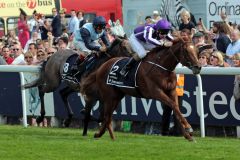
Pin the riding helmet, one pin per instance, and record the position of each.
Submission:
(163, 26)
(99, 21)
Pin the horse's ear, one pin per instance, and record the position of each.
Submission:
(117, 23)
(110, 22)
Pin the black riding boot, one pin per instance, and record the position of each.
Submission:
(128, 66)
(76, 66)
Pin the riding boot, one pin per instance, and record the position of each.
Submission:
(128, 66)
(75, 66)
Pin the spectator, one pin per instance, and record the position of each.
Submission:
(63, 18)
(72, 23)
(236, 60)
(45, 28)
(40, 44)
(156, 16)
(186, 22)
(33, 23)
(186, 34)
(216, 59)
(23, 30)
(6, 55)
(46, 44)
(221, 38)
(51, 51)
(41, 56)
(11, 37)
(56, 24)
(28, 57)
(81, 20)
(34, 39)
(148, 20)
(198, 39)
(234, 46)
(203, 58)
(63, 43)
(2, 61)
(18, 55)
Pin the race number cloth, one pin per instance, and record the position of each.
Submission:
(67, 68)
(115, 79)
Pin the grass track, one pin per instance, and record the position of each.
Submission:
(18, 143)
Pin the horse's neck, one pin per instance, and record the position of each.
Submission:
(167, 58)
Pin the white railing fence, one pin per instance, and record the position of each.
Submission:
(21, 69)
(183, 70)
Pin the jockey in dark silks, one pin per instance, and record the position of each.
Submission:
(146, 38)
(87, 38)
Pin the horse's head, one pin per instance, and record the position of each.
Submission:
(120, 47)
(189, 56)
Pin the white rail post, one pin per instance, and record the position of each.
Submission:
(202, 123)
(24, 105)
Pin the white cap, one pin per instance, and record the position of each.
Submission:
(155, 13)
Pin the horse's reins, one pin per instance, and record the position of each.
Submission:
(158, 56)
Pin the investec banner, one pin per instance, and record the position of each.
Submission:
(10, 8)
(230, 7)
(220, 108)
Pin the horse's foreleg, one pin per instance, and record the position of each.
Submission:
(42, 111)
(65, 92)
(172, 101)
(109, 107)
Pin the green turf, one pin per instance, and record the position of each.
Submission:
(18, 143)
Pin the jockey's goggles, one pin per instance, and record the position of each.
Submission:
(101, 27)
(163, 32)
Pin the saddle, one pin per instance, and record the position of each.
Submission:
(116, 79)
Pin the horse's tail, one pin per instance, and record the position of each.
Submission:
(87, 82)
(38, 81)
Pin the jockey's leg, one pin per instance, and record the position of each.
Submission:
(133, 60)
(140, 52)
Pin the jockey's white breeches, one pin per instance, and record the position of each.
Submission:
(81, 46)
(141, 48)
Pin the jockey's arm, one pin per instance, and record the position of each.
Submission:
(105, 40)
(86, 37)
(152, 40)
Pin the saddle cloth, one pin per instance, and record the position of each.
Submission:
(75, 78)
(115, 79)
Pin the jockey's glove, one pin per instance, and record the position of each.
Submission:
(103, 49)
(167, 43)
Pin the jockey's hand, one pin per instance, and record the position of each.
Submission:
(168, 44)
(101, 42)
(103, 49)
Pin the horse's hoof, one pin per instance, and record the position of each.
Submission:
(96, 135)
(39, 120)
(84, 134)
(189, 130)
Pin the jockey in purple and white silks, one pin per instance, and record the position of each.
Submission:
(146, 38)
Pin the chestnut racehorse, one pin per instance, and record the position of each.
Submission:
(155, 79)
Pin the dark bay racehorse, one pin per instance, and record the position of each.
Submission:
(51, 74)
(156, 79)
